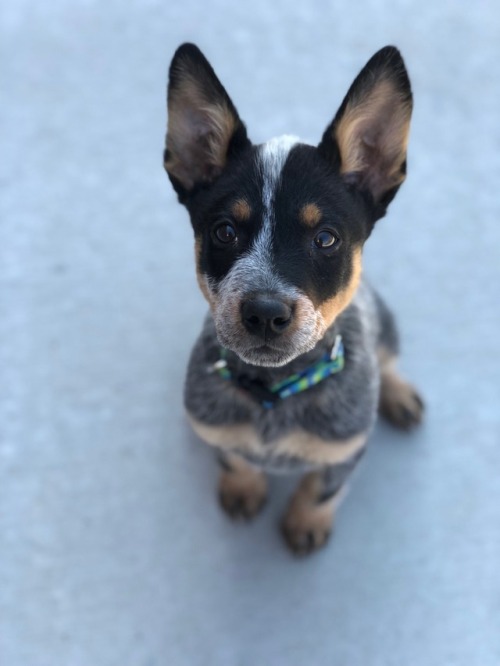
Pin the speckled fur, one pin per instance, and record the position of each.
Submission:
(336, 409)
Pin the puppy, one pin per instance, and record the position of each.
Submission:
(297, 351)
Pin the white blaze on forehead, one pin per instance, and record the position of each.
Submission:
(273, 156)
(254, 271)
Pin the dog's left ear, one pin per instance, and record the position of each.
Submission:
(367, 139)
(204, 128)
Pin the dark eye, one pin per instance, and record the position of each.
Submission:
(326, 239)
(225, 233)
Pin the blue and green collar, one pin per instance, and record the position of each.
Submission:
(268, 395)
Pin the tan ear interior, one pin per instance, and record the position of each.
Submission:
(372, 136)
(198, 134)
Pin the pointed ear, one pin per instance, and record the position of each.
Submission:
(204, 128)
(367, 139)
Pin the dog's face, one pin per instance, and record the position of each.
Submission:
(279, 228)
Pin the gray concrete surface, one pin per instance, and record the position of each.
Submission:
(113, 551)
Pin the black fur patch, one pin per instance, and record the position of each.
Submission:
(209, 206)
(306, 178)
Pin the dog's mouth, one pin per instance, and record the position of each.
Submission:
(265, 356)
(267, 330)
(268, 355)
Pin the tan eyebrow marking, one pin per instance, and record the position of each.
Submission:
(310, 215)
(241, 210)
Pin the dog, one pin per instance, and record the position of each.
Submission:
(298, 352)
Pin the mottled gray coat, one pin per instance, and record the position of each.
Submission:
(341, 406)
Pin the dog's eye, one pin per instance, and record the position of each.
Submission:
(225, 233)
(326, 239)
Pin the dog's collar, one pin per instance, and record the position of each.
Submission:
(269, 395)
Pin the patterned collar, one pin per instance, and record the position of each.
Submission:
(269, 395)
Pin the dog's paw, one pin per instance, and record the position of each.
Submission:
(242, 495)
(307, 527)
(304, 541)
(400, 402)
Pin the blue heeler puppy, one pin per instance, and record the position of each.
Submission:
(298, 351)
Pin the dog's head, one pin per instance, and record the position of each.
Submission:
(279, 227)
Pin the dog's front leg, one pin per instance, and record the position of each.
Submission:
(242, 487)
(308, 522)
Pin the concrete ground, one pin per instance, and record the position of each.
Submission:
(113, 551)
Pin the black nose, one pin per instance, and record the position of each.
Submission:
(266, 316)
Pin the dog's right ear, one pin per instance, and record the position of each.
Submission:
(204, 129)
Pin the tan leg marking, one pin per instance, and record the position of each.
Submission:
(298, 444)
(399, 401)
(242, 488)
(308, 524)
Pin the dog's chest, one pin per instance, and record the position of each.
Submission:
(295, 450)
(325, 425)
